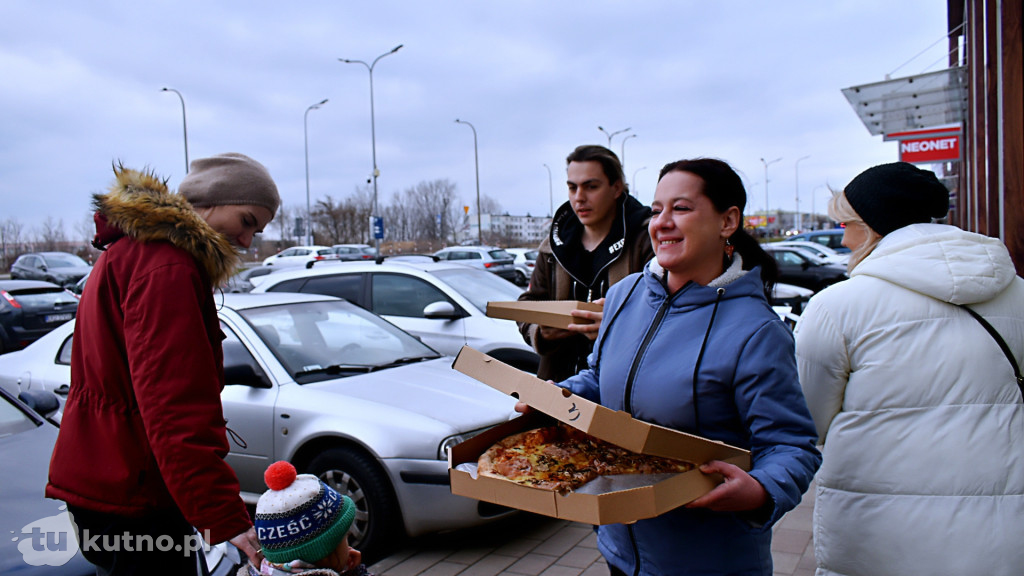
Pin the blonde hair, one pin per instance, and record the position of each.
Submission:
(840, 210)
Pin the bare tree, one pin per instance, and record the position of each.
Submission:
(427, 212)
(11, 241)
(51, 235)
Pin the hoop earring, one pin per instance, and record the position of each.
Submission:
(729, 249)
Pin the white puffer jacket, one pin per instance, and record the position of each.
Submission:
(920, 415)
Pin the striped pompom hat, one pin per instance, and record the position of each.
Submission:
(300, 517)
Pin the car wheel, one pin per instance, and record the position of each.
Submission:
(377, 526)
(521, 278)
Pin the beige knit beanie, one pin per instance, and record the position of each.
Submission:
(229, 178)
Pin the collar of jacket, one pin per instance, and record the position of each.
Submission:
(567, 231)
(140, 206)
(735, 281)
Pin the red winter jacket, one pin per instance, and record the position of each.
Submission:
(143, 429)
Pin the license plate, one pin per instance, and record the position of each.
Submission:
(58, 317)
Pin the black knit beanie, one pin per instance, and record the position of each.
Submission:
(891, 196)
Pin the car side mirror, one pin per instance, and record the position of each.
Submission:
(244, 375)
(42, 401)
(440, 310)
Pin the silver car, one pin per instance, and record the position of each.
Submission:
(442, 303)
(489, 258)
(339, 393)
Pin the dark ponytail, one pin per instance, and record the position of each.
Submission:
(723, 186)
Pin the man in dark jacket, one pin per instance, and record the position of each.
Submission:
(140, 455)
(596, 239)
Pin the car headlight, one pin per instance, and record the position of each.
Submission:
(442, 450)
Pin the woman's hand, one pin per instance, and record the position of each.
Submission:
(588, 330)
(739, 491)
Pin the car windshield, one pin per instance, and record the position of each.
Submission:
(479, 287)
(531, 255)
(63, 261)
(500, 255)
(319, 340)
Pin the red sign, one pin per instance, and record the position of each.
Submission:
(934, 149)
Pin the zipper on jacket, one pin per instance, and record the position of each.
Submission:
(627, 403)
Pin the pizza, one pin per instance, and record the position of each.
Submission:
(562, 458)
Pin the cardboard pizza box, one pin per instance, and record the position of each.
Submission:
(553, 402)
(554, 313)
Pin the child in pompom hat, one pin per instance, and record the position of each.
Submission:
(302, 525)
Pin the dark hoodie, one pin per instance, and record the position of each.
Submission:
(565, 271)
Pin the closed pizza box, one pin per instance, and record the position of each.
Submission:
(553, 313)
(553, 402)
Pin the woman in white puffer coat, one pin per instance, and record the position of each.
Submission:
(917, 406)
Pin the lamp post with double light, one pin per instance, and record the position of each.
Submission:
(373, 129)
(610, 135)
(184, 123)
(476, 160)
(305, 134)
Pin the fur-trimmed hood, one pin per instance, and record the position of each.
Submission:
(140, 205)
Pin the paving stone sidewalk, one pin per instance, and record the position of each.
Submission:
(531, 545)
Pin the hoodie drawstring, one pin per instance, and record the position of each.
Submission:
(700, 359)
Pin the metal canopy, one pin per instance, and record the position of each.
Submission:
(922, 101)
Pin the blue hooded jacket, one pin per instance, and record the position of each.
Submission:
(723, 345)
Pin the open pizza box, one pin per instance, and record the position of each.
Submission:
(554, 313)
(588, 506)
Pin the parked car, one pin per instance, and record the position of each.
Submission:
(341, 394)
(489, 258)
(833, 238)
(31, 308)
(42, 540)
(824, 252)
(60, 268)
(443, 304)
(348, 252)
(802, 268)
(525, 260)
(299, 256)
(243, 280)
(791, 297)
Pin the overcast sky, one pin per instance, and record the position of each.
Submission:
(738, 80)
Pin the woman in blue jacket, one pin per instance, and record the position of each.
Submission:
(692, 343)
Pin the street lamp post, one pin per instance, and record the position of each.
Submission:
(796, 170)
(373, 129)
(766, 205)
(814, 193)
(551, 195)
(476, 159)
(305, 135)
(622, 155)
(612, 134)
(184, 123)
(633, 185)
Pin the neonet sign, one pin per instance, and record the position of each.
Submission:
(934, 145)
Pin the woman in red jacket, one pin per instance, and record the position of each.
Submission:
(140, 455)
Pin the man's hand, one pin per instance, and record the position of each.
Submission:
(738, 493)
(588, 330)
(250, 545)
